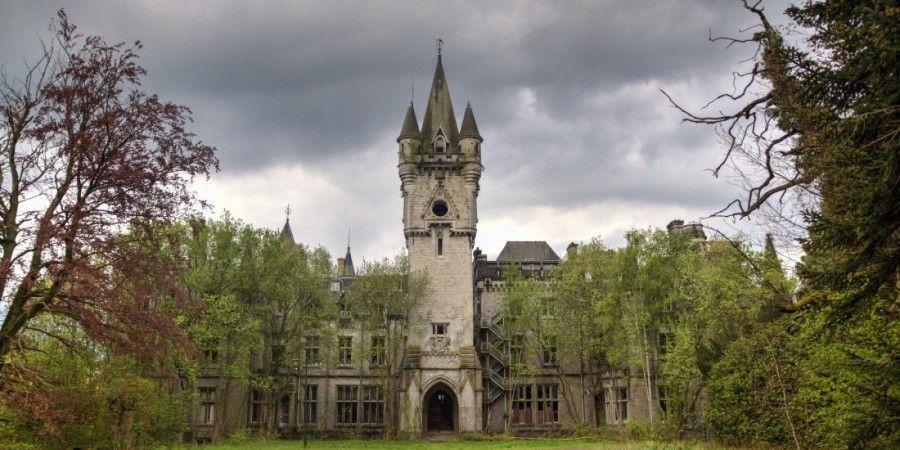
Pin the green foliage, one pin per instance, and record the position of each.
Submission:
(82, 396)
(380, 302)
(827, 376)
(700, 296)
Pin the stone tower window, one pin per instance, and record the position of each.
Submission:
(440, 145)
(439, 329)
(439, 208)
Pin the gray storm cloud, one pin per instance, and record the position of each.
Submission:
(304, 99)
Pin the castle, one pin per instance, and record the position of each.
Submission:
(453, 376)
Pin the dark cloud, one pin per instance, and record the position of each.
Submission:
(566, 93)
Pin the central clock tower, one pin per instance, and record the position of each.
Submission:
(440, 168)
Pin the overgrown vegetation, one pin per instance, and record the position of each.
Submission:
(117, 297)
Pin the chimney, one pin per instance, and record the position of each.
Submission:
(340, 267)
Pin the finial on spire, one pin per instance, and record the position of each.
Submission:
(348, 237)
(287, 212)
(440, 44)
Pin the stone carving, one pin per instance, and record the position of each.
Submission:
(438, 343)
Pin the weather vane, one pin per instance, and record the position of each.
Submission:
(440, 44)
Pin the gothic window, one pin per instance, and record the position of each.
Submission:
(372, 405)
(207, 406)
(439, 329)
(378, 351)
(549, 352)
(347, 404)
(210, 353)
(309, 403)
(622, 400)
(345, 350)
(600, 408)
(547, 404)
(311, 351)
(440, 145)
(277, 352)
(521, 405)
(256, 406)
(663, 397)
(284, 411)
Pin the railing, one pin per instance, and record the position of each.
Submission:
(493, 327)
(489, 349)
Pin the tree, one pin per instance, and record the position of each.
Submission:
(221, 276)
(71, 392)
(822, 116)
(819, 116)
(86, 153)
(582, 283)
(380, 302)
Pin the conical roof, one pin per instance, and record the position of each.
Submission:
(469, 127)
(286, 234)
(439, 112)
(410, 124)
(348, 264)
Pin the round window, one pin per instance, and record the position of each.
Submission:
(439, 208)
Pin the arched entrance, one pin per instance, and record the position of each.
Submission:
(440, 409)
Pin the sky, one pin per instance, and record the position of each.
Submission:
(304, 101)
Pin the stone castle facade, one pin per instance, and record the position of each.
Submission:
(454, 371)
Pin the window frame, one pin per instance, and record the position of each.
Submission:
(345, 352)
(347, 404)
(207, 405)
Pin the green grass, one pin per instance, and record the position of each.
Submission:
(580, 444)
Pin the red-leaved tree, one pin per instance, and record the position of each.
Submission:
(86, 155)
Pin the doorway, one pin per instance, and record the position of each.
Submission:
(440, 409)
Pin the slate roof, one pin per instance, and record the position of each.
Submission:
(349, 271)
(469, 127)
(439, 112)
(527, 251)
(410, 124)
(286, 233)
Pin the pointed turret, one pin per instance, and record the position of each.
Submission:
(469, 127)
(439, 112)
(348, 264)
(286, 234)
(410, 125)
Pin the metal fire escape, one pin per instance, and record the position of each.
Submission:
(496, 359)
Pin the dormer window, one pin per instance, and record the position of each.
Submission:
(440, 145)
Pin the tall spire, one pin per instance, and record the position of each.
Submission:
(286, 234)
(410, 124)
(469, 127)
(348, 264)
(439, 112)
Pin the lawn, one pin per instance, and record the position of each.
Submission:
(554, 444)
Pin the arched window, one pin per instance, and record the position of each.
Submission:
(440, 145)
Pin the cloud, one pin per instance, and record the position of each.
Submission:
(304, 101)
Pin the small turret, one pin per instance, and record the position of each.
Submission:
(469, 127)
(410, 125)
(469, 137)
